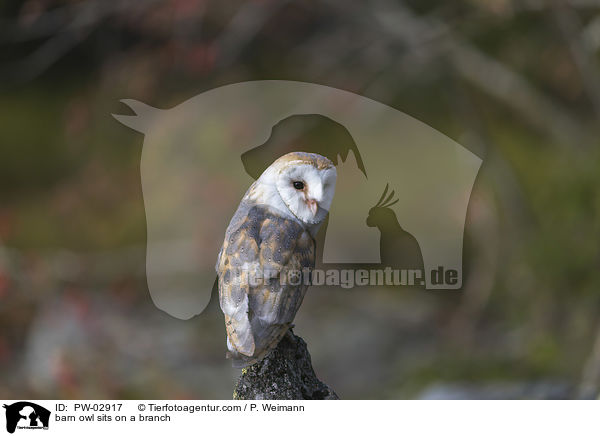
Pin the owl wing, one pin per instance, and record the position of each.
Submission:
(287, 254)
(262, 269)
(239, 255)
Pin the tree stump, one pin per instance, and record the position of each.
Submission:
(285, 374)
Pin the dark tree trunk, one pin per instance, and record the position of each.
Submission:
(285, 374)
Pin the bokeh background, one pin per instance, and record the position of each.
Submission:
(515, 81)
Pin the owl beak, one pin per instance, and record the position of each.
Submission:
(313, 206)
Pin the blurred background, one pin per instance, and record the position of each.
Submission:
(515, 81)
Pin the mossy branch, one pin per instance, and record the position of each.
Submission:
(285, 374)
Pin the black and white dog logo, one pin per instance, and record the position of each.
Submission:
(26, 415)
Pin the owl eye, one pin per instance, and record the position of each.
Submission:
(298, 185)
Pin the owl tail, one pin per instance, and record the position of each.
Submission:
(241, 361)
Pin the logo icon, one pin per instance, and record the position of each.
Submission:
(26, 415)
(200, 156)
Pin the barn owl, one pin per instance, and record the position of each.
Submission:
(269, 251)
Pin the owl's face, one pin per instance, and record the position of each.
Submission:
(306, 190)
(304, 182)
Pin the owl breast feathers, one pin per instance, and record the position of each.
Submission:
(262, 269)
